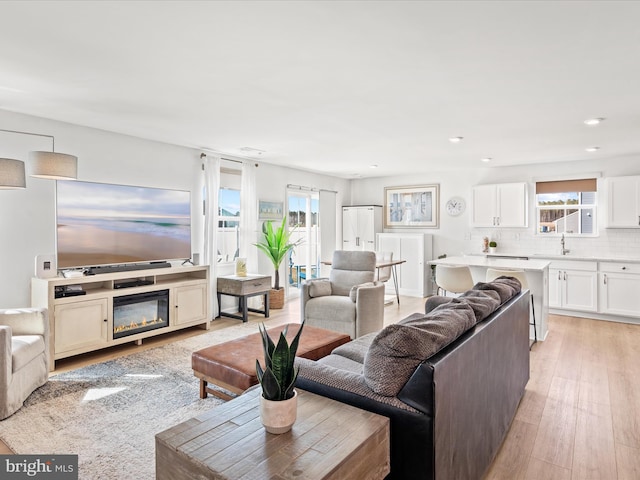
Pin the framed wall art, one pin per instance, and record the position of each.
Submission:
(270, 210)
(413, 206)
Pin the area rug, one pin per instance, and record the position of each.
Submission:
(108, 413)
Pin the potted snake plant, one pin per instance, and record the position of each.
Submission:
(279, 399)
(276, 245)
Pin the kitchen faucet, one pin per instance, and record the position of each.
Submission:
(563, 250)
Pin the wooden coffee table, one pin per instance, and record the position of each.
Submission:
(330, 440)
(232, 365)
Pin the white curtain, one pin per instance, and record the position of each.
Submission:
(327, 224)
(211, 165)
(248, 222)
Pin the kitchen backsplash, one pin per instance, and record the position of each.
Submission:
(611, 243)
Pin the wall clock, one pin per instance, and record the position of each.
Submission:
(455, 206)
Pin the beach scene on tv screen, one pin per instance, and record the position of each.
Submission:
(99, 224)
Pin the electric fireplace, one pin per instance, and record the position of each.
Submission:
(140, 312)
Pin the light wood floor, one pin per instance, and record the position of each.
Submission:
(579, 418)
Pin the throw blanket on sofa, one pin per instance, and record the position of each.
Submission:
(398, 349)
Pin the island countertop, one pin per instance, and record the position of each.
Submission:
(482, 261)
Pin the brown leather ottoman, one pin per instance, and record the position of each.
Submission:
(232, 365)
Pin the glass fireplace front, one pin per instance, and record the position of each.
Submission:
(140, 312)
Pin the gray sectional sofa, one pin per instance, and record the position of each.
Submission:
(450, 380)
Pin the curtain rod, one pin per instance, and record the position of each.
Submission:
(309, 189)
(203, 155)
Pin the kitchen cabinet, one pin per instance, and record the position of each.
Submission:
(414, 276)
(618, 289)
(500, 205)
(359, 227)
(624, 202)
(573, 285)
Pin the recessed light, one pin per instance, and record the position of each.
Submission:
(594, 121)
(455, 139)
(592, 149)
(373, 166)
(486, 159)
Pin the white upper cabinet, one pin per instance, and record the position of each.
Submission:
(500, 205)
(624, 202)
(359, 227)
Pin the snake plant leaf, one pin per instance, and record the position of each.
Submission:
(280, 373)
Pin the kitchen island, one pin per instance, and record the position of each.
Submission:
(536, 271)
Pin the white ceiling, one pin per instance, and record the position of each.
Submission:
(335, 87)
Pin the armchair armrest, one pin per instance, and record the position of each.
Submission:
(304, 294)
(370, 309)
(5, 356)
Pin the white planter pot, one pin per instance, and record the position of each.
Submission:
(492, 250)
(279, 416)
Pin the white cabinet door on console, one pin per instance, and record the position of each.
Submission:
(80, 325)
(190, 304)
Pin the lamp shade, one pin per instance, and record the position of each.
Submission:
(11, 173)
(52, 165)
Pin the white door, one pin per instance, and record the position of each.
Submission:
(484, 206)
(304, 261)
(580, 290)
(366, 229)
(512, 204)
(555, 286)
(624, 202)
(619, 294)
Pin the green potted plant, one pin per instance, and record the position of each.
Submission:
(278, 402)
(276, 245)
(492, 246)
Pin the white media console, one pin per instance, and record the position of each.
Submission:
(92, 320)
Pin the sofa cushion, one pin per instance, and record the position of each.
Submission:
(398, 349)
(319, 288)
(353, 293)
(355, 349)
(506, 287)
(342, 363)
(25, 348)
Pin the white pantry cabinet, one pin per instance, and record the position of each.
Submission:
(359, 227)
(500, 205)
(416, 249)
(573, 285)
(619, 289)
(624, 202)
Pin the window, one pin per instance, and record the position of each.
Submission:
(228, 239)
(303, 210)
(567, 207)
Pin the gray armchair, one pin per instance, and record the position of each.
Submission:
(349, 301)
(24, 356)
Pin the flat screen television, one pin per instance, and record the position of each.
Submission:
(103, 224)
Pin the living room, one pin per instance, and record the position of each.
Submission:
(146, 154)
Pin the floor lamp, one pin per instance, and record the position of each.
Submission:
(50, 165)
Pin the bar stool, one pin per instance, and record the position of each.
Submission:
(493, 273)
(454, 279)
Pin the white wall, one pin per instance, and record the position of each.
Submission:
(27, 217)
(455, 236)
